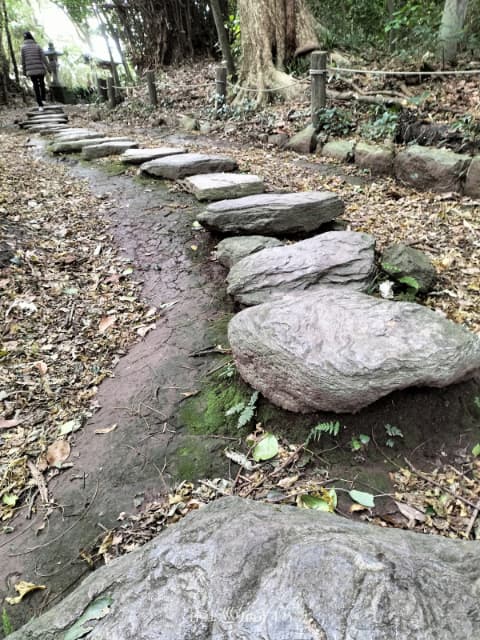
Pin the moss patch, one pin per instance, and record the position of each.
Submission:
(205, 413)
(114, 167)
(196, 457)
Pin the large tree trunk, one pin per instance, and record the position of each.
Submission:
(451, 28)
(271, 32)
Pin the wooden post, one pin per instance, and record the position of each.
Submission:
(220, 87)
(111, 93)
(318, 72)
(102, 89)
(152, 89)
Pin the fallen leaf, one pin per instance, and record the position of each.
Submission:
(57, 453)
(106, 429)
(23, 588)
(9, 424)
(69, 427)
(266, 449)
(41, 366)
(105, 323)
(39, 481)
(142, 331)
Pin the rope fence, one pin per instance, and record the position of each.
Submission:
(319, 74)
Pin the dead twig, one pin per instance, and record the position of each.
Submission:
(427, 478)
(475, 513)
(64, 533)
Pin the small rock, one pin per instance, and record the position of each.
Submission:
(304, 141)
(401, 261)
(378, 158)
(472, 183)
(231, 250)
(431, 169)
(342, 150)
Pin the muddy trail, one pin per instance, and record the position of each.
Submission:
(168, 398)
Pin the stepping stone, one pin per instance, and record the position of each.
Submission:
(273, 213)
(109, 148)
(53, 130)
(42, 119)
(48, 128)
(343, 259)
(139, 156)
(72, 146)
(188, 164)
(232, 250)
(46, 111)
(69, 132)
(218, 186)
(340, 350)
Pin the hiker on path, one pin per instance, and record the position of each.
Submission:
(35, 65)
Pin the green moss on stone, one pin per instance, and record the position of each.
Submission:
(205, 412)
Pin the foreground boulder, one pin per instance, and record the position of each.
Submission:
(231, 250)
(336, 258)
(243, 570)
(472, 182)
(338, 350)
(427, 168)
(273, 213)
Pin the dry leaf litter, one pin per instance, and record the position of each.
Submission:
(69, 307)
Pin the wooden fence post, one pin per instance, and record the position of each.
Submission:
(152, 89)
(318, 72)
(220, 87)
(102, 89)
(111, 93)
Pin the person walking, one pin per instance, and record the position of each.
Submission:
(35, 65)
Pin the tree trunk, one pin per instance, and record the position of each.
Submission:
(9, 41)
(271, 31)
(451, 28)
(222, 36)
(3, 64)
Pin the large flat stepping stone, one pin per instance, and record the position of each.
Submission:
(57, 128)
(47, 108)
(139, 156)
(337, 259)
(427, 168)
(242, 570)
(72, 146)
(273, 213)
(47, 128)
(188, 164)
(232, 250)
(340, 350)
(69, 134)
(110, 148)
(218, 186)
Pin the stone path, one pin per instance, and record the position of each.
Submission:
(107, 487)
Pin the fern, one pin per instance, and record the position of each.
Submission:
(329, 428)
(246, 410)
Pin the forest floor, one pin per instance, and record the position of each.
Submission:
(110, 296)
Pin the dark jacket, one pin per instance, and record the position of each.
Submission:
(34, 61)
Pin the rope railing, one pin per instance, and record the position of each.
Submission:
(382, 72)
(319, 74)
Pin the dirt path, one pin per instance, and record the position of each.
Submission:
(115, 472)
